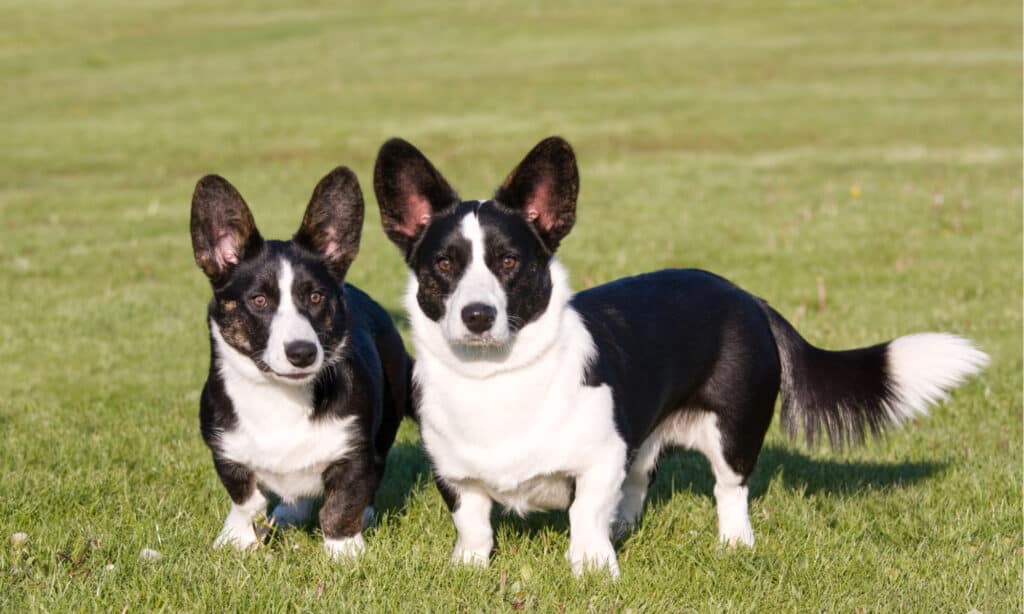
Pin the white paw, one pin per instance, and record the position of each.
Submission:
(346, 548)
(739, 535)
(592, 555)
(292, 514)
(475, 557)
(241, 537)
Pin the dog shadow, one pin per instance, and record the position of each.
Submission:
(679, 471)
(685, 470)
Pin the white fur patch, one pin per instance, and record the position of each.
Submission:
(345, 548)
(238, 530)
(697, 430)
(275, 436)
(477, 285)
(516, 424)
(925, 366)
(287, 326)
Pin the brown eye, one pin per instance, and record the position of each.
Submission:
(316, 298)
(444, 264)
(509, 262)
(259, 300)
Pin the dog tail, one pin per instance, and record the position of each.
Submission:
(851, 393)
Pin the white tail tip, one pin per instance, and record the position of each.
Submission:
(924, 367)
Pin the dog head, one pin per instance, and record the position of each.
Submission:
(278, 312)
(482, 269)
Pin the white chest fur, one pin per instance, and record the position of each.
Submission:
(520, 428)
(275, 436)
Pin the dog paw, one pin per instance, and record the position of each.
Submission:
(474, 557)
(238, 537)
(346, 548)
(738, 536)
(595, 555)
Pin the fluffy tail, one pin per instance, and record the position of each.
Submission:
(851, 393)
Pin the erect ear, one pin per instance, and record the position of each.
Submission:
(543, 189)
(223, 231)
(333, 222)
(410, 191)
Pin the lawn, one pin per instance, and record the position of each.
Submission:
(858, 164)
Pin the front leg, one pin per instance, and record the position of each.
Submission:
(349, 488)
(247, 502)
(471, 512)
(590, 517)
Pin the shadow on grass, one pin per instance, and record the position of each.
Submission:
(684, 470)
(678, 472)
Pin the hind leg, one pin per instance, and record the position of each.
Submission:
(731, 470)
(731, 501)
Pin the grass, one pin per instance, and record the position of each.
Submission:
(859, 164)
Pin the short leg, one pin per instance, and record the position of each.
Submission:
(293, 514)
(730, 488)
(597, 495)
(733, 519)
(634, 489)
(349, 487)
(471, 513)
(247, 502)
(634, 492)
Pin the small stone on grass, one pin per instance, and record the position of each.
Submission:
(148, 554)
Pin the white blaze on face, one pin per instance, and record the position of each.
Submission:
(289, 326)
(477, 285)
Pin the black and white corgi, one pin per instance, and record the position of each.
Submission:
(538, 398)
(309, 378)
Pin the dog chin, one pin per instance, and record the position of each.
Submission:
(292, 379)
(478, 341)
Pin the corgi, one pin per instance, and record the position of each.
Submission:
(309, 379)
(538, 398)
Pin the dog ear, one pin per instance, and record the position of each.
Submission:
(333, 223)
(543, 189)
(410, 191)
(223, 230)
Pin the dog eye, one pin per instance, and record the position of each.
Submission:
(509, 262)
(316, 298)
(259, 300)
(444, 263)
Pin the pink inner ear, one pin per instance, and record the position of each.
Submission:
(226, 250)
(417, 213)
(539, 206)
(331, 247)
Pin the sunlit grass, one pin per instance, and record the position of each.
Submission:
(856, 165)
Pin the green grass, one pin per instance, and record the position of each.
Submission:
(870, 148)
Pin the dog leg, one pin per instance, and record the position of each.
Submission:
(247, 502)
(634, 492)
(597, 494)
(472, 518)
(349, 487)
(238, 530)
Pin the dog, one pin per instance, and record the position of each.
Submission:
(309, 379)
(538, 398)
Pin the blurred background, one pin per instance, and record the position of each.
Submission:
(857, 164)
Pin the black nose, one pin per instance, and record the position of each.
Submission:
(478, 317)
(300, 353)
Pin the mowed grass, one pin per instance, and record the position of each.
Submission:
(858, 164)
